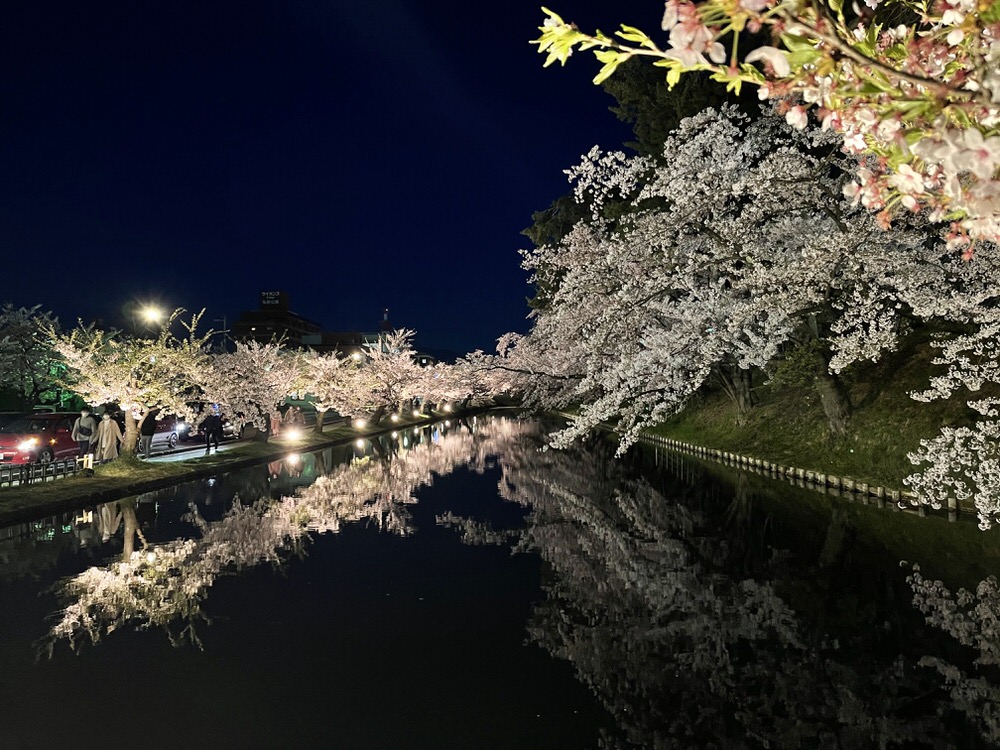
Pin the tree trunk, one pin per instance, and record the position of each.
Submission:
(833, 397)
(320, 416)
(131, 530)
(377, 416)
(737, 383)
(130, 440)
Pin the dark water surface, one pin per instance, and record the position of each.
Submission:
(459, 587)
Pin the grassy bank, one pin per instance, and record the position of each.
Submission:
(788, 426)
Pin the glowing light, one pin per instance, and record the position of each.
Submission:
(394, 417)
(293, 459)
(360, 443)
(151, 557)
(416, 413)
(394, 435)
(293, 433)
(28, 444)
(447, 407)
(151, 314)
(359, 423)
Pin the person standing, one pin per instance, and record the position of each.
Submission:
(146, 431)
(212, 427)
(109, 435)
(85, 432)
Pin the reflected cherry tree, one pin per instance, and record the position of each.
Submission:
(972, 618)
(165, 585)
(643, 600)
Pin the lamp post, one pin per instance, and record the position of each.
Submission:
(148, 318)
(152, 314)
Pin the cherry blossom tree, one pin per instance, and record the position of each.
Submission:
(139, 374)
(330, 379)
(736, 247)
(389, 373)
(915, 90)
(252, 381)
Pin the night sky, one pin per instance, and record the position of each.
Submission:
(357, 155)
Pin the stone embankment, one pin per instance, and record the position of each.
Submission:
(828, 484)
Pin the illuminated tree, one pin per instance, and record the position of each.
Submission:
(330, 379)
(388, 373)
(139, 374)
(917, 100)
(735, 247)
(252, 381)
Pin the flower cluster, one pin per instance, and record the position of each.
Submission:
(920, 102)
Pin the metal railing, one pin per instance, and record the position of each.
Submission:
(22, 474)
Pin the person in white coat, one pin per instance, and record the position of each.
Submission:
(109, 435)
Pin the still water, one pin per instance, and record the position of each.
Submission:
(460, 587)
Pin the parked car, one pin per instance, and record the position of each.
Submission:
(38, 438)
(230, 430)
(6, 417)
(168, 432)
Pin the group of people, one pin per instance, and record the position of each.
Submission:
(103, 437)
(100, 437)
(293, 417)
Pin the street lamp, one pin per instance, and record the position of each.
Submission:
(151, 314)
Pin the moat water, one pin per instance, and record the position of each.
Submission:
(459, 586)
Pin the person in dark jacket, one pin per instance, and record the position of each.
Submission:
(146, 432)
(85, 432)
(212, 427)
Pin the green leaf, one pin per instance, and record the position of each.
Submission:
(555, 17)
(611, 60)
(674, 71)
(751, 74)
(634, 35)
(802, 57)
(797, 43)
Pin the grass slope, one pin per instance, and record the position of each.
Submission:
(788, 425)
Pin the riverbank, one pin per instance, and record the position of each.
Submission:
(128, 476)
(787, 426)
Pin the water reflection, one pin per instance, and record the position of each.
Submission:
(164, 585)
(695, 631)
(695, 612)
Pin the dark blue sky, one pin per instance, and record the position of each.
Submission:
(358, 155)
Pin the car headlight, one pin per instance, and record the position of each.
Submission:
(28, 445)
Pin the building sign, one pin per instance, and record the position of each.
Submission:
(273, 300)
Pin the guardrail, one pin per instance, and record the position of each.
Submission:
(21, 474)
